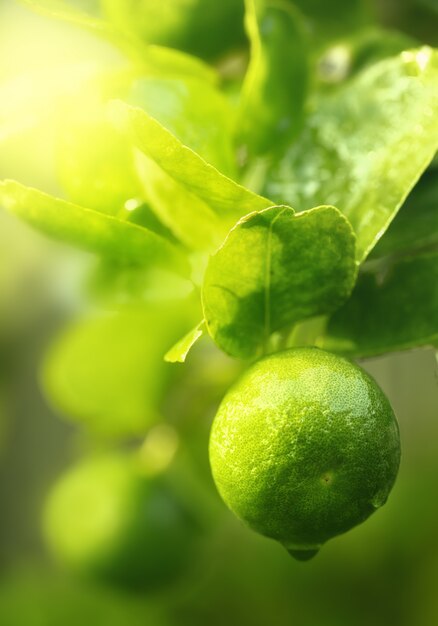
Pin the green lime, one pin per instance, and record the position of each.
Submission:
(304, 447)
(105, 519)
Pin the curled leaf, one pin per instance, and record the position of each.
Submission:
(178, 353)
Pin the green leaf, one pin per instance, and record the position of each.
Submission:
(274, 269)
(206, 202)
(273, 93)
(189, 218)
(108, 373)
(365, 147)
(375, 44)
(331, 20)
(205, 28)
(224, 195)
(96, 161)
(178, 353)
(186, 108)
(395, 308)
(90, 230)
(416, 225)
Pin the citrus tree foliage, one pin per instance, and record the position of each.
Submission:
(253, 175)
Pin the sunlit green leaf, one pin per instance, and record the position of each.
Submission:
(89, 229)
(109, 374)
(178, 353)
(274, 269)
(95, 163)
(394, 308)
(187, 216)
(224, 196)
(365, 147)
(186, 108)
(209, 202)
(271, 109)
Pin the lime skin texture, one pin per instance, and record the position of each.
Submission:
(304, 447)
(107, 521)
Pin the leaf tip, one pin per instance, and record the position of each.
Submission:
(178, 353)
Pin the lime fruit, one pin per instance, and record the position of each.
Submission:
(106, 520)
(304, 447)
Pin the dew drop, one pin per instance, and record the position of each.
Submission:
(303, 555)
(379, 499)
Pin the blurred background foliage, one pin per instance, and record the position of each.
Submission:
(383, 572)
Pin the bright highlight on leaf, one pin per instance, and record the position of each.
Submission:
(185, 108)
(218, 200)
(274, 269)
(223, 195)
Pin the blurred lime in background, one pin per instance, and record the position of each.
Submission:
(105, 519)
